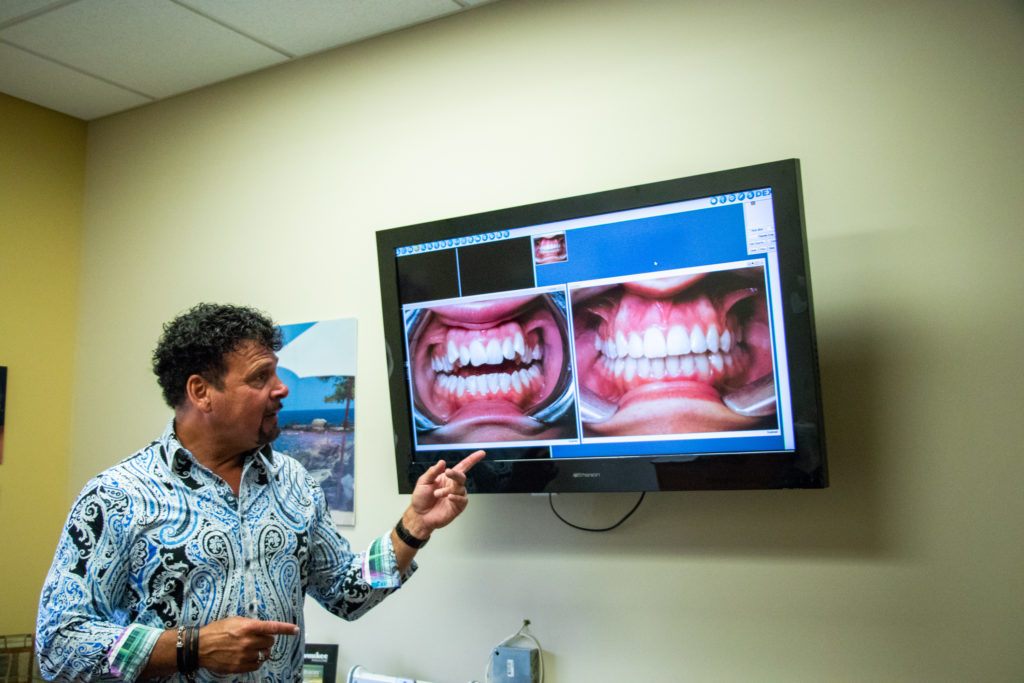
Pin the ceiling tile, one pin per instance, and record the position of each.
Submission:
(12, 9)
(154, 47)
(320, 24)
(53, 86)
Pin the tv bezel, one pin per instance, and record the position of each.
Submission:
(804, 467)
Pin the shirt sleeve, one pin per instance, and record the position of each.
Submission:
(130, 652)
(78, 620)
(347, 584)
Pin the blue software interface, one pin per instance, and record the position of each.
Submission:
(648, 331)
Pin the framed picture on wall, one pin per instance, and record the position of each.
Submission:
(318, 363)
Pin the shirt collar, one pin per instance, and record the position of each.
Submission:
(172, 449)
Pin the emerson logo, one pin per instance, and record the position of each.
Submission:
(586, 475)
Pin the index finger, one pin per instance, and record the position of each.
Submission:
(274, 628)
(467, 463)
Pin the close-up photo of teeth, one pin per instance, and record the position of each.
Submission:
(675, 355)
(492, 370)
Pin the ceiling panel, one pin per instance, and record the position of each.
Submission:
(154, 47)
(12, 9)
(319, 24)
(56, 87)
(91, 58)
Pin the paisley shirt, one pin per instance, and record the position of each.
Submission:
(159, 541)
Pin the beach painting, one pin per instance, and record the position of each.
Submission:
(318, 363)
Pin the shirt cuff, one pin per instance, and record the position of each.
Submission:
(130, 653)
(380, 567)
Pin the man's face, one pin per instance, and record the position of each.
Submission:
(245, 408)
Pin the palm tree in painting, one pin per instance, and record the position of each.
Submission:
(344, 390)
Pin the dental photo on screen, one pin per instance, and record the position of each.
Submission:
(492, 370)
(664, 355)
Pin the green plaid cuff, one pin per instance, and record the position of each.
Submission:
(129, 654)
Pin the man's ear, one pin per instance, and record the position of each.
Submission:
(197, 392)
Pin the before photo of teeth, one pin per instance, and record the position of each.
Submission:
(492, 370)
(675, 355)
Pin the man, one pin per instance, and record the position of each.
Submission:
(191, 558)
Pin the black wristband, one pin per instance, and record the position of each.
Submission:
(180, 645)
(408, 538)
(188, 658)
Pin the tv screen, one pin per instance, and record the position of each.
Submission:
(655, 337)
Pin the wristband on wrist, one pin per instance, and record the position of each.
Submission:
(180, 645)
(193, 651)
(407, 538)
(187, 650)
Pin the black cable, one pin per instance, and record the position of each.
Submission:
(551, 502)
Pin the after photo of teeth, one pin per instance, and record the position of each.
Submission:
(492, 370)
(675, 355)
(549, 248)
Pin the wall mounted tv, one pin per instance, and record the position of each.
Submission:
(656, 337)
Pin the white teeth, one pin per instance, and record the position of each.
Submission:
(464, 355)
(654, 343)
(629, 369)
(538, 352)
(712, 338)
(716, 361)
(698, 344)
(636, 345)
(477, 353)
(677, 342)
(508, 352)
(519, 344)
(621, 345)
(494, 355)
(672, 365)
(620, 363)
(658, 368)
(495, 383)
(686, 366)
(703, 368)
(453, 351)
(643, 367)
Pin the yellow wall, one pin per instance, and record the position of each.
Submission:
(42, 168)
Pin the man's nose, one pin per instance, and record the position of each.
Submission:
(282, 389)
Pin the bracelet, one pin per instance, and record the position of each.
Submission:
(187, 647)
(192, 661)
(180, 645)
(407, 538)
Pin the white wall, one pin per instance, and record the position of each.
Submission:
(907, 117)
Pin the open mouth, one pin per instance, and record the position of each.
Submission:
(488, 363)
(549, 248)
(658, 356)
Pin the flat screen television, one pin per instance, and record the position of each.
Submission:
(655, 337)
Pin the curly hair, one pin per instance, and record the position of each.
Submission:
(196, 342)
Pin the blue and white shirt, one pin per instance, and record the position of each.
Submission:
(159, 541)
